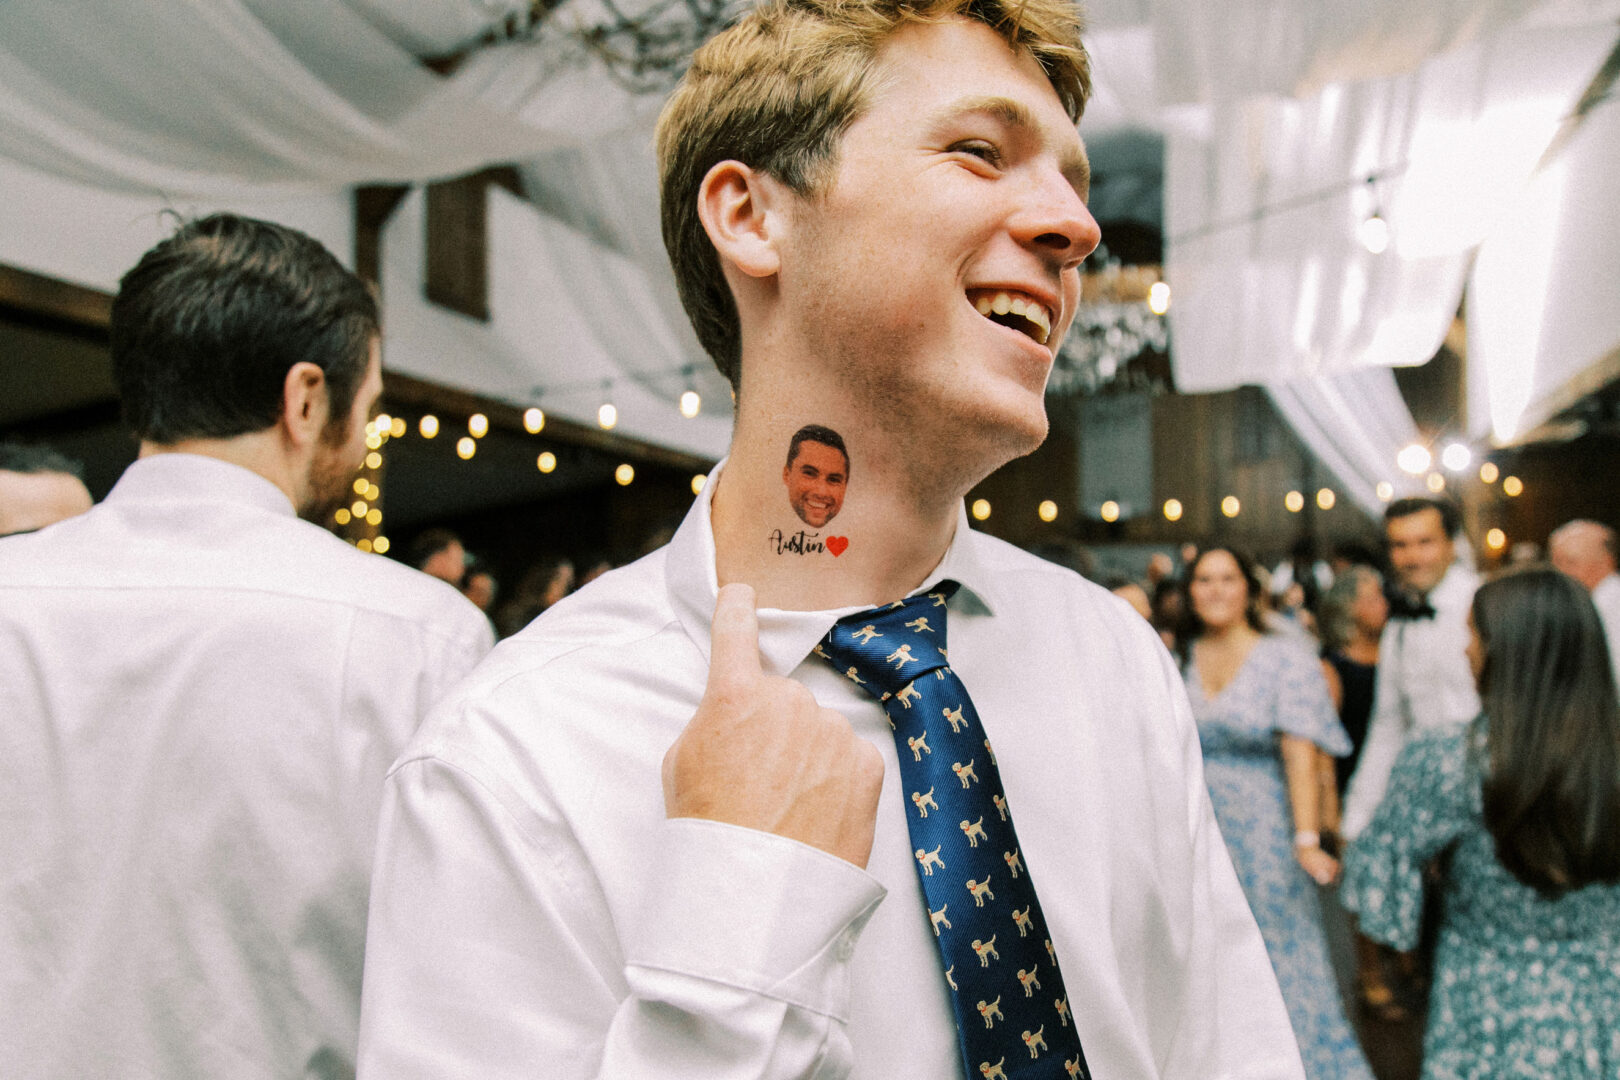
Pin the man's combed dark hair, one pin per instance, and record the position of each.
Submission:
(1450, 513)
(208, 323)
(818, 434)
(22, 458)
(1552, 732)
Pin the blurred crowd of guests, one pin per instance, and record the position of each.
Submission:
(1446, 752)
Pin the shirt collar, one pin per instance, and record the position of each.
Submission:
(194, 478)
(786, 637)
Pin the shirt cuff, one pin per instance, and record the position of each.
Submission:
(752, 910)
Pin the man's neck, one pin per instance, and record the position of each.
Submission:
(891, 530)
(259, 452)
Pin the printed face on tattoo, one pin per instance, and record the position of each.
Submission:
(816, 475)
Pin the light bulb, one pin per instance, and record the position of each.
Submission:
(1374, 234)
(534, 421)
(607, 415)
(690, 404)
(429, 426)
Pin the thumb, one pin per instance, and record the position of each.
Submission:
(734, 639)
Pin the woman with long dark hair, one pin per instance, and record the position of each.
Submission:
(1261, 703)
(1525, 807)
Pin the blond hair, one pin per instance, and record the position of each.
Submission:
(777, 90)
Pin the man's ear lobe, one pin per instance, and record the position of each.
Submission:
(740, 209)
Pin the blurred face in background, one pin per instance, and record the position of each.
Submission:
(30, 501)
(1370, 609)
(1218, 590)
(1419, 549)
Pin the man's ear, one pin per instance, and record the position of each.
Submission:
(740, 209)
(304, 403)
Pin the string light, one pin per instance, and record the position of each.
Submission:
(1496, 539)
(1374, 233)
(383, 422)
(1513, 487)
(607, 416)
(981, 509)
(624, 474)
(342, 516)
(1325, 498)
(1385, 491)
(1231, 507)
(466, 447)
(1172, 509)
(363, 544)
(534, 421)
(690, 404)
(1109, 511)
(478, 424)
(1456, 457)
(1374, 230)
(359, 508)
(374, 516)
(373, 441)
(697, 483)
(374, 460)
(1047, 511)
(1488, 472)
(429, 426)
(372, 492)
(361, 486)
(1435, 482)
(380, 545)
(1294, 501)
(546, 461)
(397, 428)
(1159, 298)
(1414, 459)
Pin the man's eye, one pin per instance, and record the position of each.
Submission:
(986, 152)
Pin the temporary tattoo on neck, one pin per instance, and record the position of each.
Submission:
(816, 476)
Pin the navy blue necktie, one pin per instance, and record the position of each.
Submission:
(1012, 1012)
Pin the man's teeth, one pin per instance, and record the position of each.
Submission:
(1003, 303)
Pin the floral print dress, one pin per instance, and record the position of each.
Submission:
(1523, 986)
(1279, 690)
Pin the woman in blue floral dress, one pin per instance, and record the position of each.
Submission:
(1526, 806)
(1263, 712)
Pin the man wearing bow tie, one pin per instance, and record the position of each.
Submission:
(1423, 676)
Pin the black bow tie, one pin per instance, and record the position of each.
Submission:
(1404, 606)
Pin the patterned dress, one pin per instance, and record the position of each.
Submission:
(1279, 690)
(1523, 986)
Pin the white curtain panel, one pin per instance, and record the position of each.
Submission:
(204, 96)
(1264, 198)
(1355, 423)
(1544, 297)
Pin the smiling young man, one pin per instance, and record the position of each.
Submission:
(1423, 681)
(675, 828)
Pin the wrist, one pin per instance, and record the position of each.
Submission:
(1307, 838)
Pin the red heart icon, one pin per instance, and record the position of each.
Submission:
(837, 544)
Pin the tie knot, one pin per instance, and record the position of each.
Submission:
(885, 648)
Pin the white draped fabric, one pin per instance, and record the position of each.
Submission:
(1354, 422)
(1544, 310)
(1275, 110)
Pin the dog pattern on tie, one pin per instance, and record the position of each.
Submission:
(1008, 1009)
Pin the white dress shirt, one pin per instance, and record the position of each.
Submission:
(1423, 683)
(534, 914)
(1606, 597)
(199, 697)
